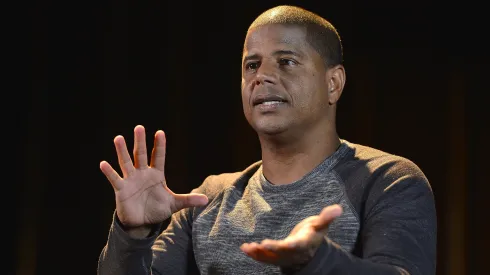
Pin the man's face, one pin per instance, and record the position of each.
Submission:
(284, 80)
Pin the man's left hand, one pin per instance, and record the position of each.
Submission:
(300, 246)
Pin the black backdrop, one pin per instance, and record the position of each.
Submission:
(416, 86)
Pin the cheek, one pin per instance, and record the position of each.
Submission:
(243, 84)
(307, 92)
(245, 93)
(299, 88)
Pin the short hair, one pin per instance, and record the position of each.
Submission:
(321, 35)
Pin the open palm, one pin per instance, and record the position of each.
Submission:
(300, 246)
(142, 195)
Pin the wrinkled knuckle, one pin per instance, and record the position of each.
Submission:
(140, 151)
(159, 154)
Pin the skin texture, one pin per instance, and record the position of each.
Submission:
(299, 133)
(277, 60)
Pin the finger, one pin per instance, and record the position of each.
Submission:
(294, 242)
(327, 215)
(275, 245)
(125, 162)
(159, 151)
(266, 256)
(250, 248)
(139, 152)
(189, 200)
(111, 175)
(259, 253)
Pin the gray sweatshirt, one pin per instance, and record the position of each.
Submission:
(388, 225)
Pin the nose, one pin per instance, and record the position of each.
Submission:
(265, 75)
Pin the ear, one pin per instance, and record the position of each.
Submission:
(336, 82)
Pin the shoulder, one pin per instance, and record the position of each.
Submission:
(376, 180)
(370, 174)
(379, 163)
(213, 185)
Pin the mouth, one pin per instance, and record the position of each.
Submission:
(268, 100)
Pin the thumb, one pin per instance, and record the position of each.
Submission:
(327, 215)
(189, 200)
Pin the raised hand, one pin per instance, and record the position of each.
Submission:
(142, 195)
(301, 244)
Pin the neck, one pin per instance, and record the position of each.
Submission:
(286, 160)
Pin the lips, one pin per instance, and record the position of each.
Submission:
(263, 98)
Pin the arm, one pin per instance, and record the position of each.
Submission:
(398, 234)
(168, 253)
(124, 254)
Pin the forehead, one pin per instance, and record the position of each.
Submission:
(276, 36)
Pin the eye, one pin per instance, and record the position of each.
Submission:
(252, 66)
(288, 62)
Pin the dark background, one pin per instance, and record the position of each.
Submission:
(416, 86)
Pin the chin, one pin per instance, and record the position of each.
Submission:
(270, 128)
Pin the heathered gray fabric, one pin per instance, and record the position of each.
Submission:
(244, 207)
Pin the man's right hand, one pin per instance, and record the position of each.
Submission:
(142, 196)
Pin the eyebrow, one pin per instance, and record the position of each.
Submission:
(278, 52)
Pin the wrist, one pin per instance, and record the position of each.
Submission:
(137, 232)
(304, 264)
(140, 232)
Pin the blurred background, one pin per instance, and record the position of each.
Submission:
(417, 86)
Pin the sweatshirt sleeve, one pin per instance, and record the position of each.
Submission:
(168, 253)
(398, 231)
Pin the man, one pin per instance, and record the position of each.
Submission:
(314, 204)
